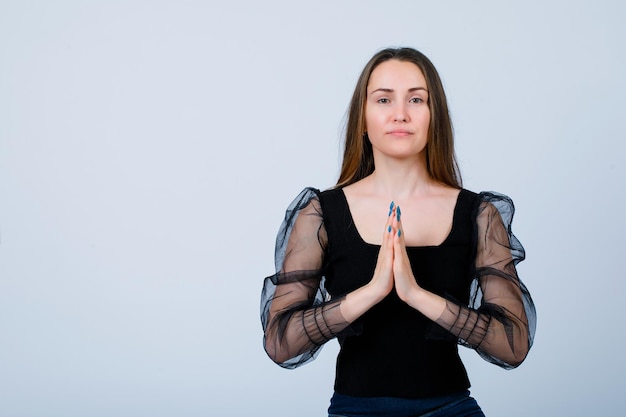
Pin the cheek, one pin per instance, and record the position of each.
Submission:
(373, 119)
(425, 119)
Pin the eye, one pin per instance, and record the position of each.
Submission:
(416, 100)
(383, 100)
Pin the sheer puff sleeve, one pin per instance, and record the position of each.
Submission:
(500, 319)
(297, 314)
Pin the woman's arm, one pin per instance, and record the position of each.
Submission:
(500, 321)
(297, 314)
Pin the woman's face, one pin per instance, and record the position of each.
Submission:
(397, 115)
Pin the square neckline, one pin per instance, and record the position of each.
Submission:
(376, 245)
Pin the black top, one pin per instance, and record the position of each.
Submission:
(393, 352)
(392, 349)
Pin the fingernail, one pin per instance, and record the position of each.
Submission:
(399, 232)
(398, 213)
(391, 205)
(389, 229)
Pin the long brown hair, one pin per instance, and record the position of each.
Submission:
(358, 158)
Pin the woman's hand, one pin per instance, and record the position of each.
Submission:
(382, 281)
(362, 299)
(407, 288)
(405, 283)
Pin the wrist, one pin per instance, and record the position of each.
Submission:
(415, 296)
(373, 293)
(359, 301)
(427, 303)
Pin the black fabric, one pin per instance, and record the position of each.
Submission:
(391, 355)
(393, 350)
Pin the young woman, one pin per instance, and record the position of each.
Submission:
(398, 261)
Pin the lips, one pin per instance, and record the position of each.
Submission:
(400, 132)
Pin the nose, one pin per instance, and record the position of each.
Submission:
(400, 113)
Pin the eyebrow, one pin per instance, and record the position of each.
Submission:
(391, 90)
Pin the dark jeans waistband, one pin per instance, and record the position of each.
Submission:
(460, 404)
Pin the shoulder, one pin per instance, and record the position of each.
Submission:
(312, 199)
(331, 195)
(494, 201)
(494, 217)
(495, 197)
(493, 212)
(488, 203)
(465, 194)
(487, 198)
(331, 192)
(303, 199)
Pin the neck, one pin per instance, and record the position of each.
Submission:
(401, 178)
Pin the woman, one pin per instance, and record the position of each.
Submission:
(398, 261)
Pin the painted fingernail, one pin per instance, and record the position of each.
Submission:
(399, 232)
(391, 205)
(389, 229)
(398, 213)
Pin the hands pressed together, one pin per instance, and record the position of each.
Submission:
(393, 268)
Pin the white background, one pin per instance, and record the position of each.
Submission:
(148, 150)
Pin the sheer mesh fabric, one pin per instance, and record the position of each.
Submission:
(298, 316)
(500, 320)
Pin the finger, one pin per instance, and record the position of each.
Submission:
(397, 220)
(399, 248)
(387, 245)
(389, 227)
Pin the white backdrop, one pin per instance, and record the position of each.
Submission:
(148, 150)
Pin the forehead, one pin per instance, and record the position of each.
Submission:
(396, 75)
